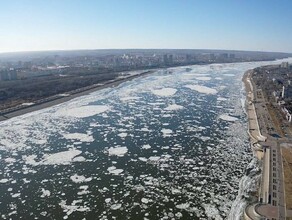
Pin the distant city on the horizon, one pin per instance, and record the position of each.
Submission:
(22, 65)
(59, 72)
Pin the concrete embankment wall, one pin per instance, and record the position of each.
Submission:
(250, 213)
(265, 186)
(260, 137)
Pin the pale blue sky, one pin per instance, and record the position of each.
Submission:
(29, 25)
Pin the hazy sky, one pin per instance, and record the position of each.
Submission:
(28, 25)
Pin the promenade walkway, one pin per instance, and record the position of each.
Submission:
(271, 203)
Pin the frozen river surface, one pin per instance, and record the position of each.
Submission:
(167, 146)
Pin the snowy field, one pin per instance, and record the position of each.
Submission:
(166, 146)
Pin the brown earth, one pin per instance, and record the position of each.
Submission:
(287, 165)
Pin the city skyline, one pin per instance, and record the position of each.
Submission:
(74, 25)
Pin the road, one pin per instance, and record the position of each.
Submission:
(272, 195)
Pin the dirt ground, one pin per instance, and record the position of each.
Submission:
(287, 165)
(276, 120)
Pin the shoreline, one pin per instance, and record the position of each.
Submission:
(61, 99)
(249, 182)
(267, 201)
(21, 110)
(255, 138)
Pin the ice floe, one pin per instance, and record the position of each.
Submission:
(64, 158)
(204, 78)
(173, 107)
(164, 92)
(80, 179)
(116, 206)
(83, 111)
(73, 207)
(114, 170)
(145, 200)
(45, 193)
(143, 159)
(129, 98)
(166, 132)
(79, 136)
(226, 117)
(183, 206)
(221, 99)
(212, 212)
(202, 89)
(123, 135)
(60, 158)
(15, 195)
(84, 190)
(146, 146)
(117, 151)
(79, 159)
(4, 180)
(154, 158)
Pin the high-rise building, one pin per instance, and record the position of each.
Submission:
(188, 58)
(12, 75)
(4, 76)
(285, 65)
(165, 59)
(170, 59)
(286, 92)
(223, 56)
(212, 56)
(232, 56)
(8, 75)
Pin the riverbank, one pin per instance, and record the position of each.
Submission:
(253, 123)
(20, 110)
(270, 201)
(254, 133)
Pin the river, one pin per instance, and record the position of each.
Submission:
(170, 145)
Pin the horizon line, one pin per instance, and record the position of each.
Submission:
(83, 49)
